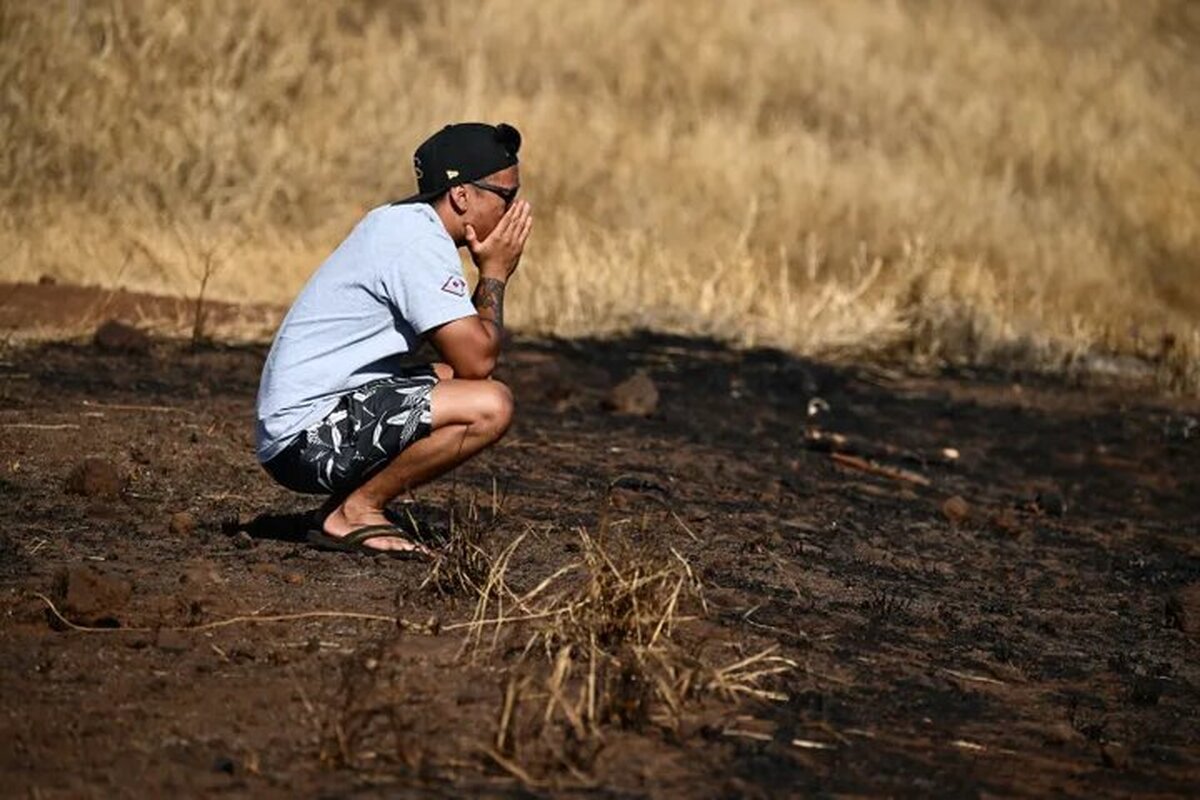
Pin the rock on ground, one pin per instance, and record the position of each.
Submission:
(956, 509)
(91, 597)
(636, 395)
(182, 524)
(1183, 610)
(96, 477)
(1051, 502)
(115, 336)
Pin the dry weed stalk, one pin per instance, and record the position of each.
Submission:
(463, 564)
(602, 649)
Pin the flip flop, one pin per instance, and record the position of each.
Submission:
(353, 542)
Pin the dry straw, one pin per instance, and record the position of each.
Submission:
(602, 650)
(998, 181)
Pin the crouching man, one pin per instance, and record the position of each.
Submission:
(346, 407)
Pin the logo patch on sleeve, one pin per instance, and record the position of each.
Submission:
(455, 286)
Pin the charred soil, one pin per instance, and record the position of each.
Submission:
(958, 583)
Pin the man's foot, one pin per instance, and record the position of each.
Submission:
(343, 521)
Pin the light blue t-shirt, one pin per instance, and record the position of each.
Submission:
(395, 277)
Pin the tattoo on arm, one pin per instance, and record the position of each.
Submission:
(489, 294)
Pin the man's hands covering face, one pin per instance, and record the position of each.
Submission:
(497, 256)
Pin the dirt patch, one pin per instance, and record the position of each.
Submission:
(120, 320)
(1017, 621)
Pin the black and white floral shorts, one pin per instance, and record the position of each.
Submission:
(366, 429)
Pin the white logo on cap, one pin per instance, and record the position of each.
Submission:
(451, 174)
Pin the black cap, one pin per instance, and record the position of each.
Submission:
(460, 154)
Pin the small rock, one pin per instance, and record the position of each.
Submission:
(956, 510)
(1050, 502)
(639, 483)
(1173, 614)
(1182, 610)
(115, 336)
(46, 280)
(96, 477)
(1115, 756)
(224, 764)
(1060, 733)
(92, 597)
(294, 578)
(243, 540)
(1146, 690)
(637, 395)
(1006, 522)
(201, 573)
(1182, 428)
(172, 641)
(182, 524)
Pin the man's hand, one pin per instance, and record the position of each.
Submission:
(497, 256)
(471, 345)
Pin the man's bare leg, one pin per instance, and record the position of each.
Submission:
(467, 417)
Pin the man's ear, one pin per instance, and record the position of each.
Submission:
(459, 198)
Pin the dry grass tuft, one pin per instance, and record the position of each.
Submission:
(972, 181)
(463, 563)
(603, 650)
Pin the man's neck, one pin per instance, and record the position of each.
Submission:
(450, 221)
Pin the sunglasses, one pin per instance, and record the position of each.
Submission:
(505, 193)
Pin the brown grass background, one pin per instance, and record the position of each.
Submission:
(988, 180)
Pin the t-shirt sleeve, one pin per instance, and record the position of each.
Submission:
(425, 285)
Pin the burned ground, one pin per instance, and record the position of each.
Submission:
(1037, 635)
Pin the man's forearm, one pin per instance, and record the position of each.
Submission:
(489, 303)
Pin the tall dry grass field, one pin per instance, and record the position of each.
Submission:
(991, 179)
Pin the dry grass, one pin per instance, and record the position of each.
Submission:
(602, 650)
(463, 564)
(978, 180)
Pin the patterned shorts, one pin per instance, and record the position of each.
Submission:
(368, 428)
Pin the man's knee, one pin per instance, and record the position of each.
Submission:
(495, 408)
